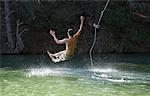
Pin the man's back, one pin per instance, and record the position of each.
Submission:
(70, 46)
(72, 41)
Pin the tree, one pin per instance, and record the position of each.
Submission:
(14, 44)
(19, 42)
(10, 42)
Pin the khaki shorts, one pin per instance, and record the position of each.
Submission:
(62, 57)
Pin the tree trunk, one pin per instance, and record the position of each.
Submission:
(19, 42)
(8, 27)
(0, 30)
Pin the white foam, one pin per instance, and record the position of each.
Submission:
(108, 70)
(65, 71)
(46, 71)
(115, 80)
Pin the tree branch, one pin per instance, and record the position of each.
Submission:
(141, 15)
(20, 34)
(19, 23)
(10, 13)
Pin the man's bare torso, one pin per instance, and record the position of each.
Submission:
(70, 46)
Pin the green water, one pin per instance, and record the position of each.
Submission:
(112, 75)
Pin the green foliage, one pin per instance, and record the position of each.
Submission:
(126, 33)
(118, 19)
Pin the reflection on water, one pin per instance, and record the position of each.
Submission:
(112, 75)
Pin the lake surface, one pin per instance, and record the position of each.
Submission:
(112, 75)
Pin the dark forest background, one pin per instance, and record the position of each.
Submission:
(25, 25)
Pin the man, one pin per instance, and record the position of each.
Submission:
(70, 42)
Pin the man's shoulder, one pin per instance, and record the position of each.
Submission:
(70, 39)
(66, 39)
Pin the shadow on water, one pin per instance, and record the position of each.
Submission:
(136, 62)
(26, 61)
(132, 62)
(139, 58)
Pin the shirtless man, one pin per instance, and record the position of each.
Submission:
(70, 42)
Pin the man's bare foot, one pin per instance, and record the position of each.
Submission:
(50, 55)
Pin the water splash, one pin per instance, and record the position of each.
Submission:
(47, 71)
(104, 70)
(108, 75)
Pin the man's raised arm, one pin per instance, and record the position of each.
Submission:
(81, 25)
(56, 39)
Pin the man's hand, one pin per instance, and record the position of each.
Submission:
(52, 32)
(82, 18)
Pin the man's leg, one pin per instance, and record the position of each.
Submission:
(55, 57)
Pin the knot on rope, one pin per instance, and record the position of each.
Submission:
(102, 12)
(96, 25)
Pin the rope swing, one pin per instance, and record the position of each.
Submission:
(96, 27)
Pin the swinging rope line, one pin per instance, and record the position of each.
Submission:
(95, 33)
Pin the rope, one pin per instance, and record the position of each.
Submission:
(95, 33)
